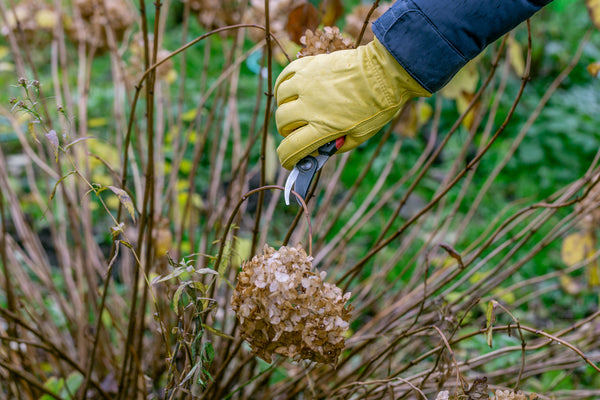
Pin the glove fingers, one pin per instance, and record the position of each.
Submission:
(288, 119)
(299, 143)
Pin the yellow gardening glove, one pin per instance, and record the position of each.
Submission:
(351, 93)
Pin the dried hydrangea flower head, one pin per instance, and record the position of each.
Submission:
(36, 20)
(95, 16)
(324, 41)
(279, 11)
(213, 14)
(284, 307)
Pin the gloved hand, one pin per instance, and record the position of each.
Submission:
(350, 93)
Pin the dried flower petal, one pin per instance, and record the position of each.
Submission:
(326, 41)
(284, 307)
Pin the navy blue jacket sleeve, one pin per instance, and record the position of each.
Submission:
(434, 39)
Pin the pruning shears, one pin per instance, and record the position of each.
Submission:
(303, 173)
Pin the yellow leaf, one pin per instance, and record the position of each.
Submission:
(163, 238)
(241, 251)
(46, 19)
(106, 318)
(594, 69)
(189, 115)
(6, 67)
(97, 122)
(462, 103)
(424, 112)
(333, 10)
(593, 273)
(412, 117)
(504, 296)
(593, 7)
(106, 152)
(185, 166)
(125, 200)
(490, 318)
(577, 247)
(569, 284)
(102, 178)
(465, 80)
(4, 51)
(408, 123)
(515, 52)
(289, 47)
(171, 76)
(218, 332)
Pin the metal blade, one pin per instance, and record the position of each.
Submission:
(289, 183)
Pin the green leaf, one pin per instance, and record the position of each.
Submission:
(208, 352)
(74, 381)
(58, 182)
(531, 153)
(53, 385)
(125, 200)
(81, 139)
(177, 296)
(490, 317)
(174, 274)
(190, 374)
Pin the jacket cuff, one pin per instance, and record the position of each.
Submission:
(433, 39)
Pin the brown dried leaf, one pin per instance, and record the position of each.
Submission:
(593, 7)
(594, 68)
(301, 18)
(479, 390)
(332, 10)
(53, 139)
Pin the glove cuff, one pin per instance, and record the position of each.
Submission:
(400, 83)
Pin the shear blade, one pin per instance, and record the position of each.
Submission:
(289, 183)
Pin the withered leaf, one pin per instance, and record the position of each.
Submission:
(332, 10)
(594, 68)
(593, 7)
(125, 200)
(53, 139)
(301, 18)
(479, 390)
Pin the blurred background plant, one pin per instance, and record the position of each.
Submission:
(138, 171)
